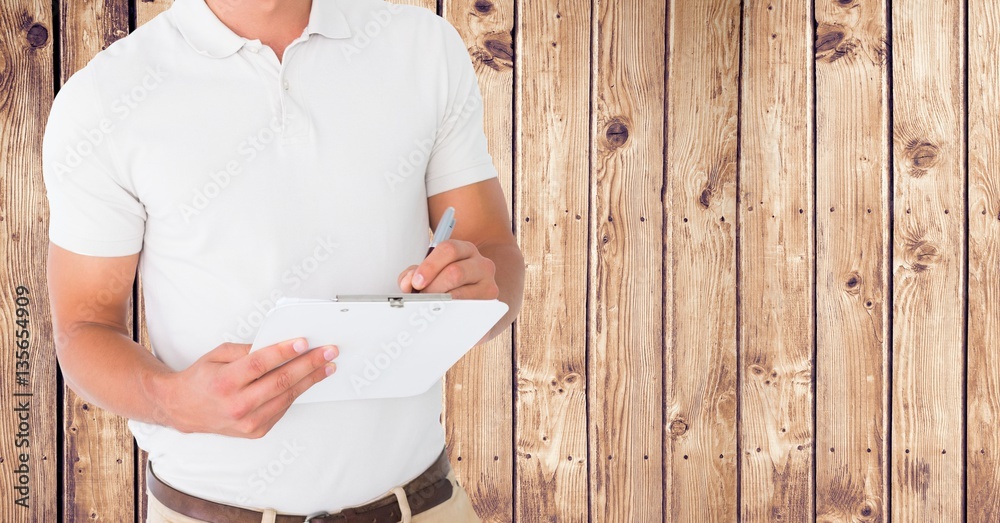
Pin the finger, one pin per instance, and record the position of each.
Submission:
(268, 414)
(406, 272)
(461, 273)
(260, 362)
(405, 283)
(445, 254)
(286, 377)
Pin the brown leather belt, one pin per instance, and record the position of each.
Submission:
(429, 489)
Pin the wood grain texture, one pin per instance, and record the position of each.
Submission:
(983, 496)
(28, 397)
(700, 324)
(928, 258)
(776, 262)
(146, 10)
(573, 123)
(625, 333)
(98, 475)
(852, 261)
(552, 94)
(478, 396)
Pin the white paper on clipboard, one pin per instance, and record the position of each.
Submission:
(390, 345)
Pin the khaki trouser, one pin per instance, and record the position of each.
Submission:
(458, 509)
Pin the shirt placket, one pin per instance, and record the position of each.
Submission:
(291, 119)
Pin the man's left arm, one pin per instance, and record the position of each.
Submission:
(481, 260)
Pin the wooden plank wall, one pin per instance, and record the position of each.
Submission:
(700, 459)
(761, 237)
(852, 252)
(775, 292)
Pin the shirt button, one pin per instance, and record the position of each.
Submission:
(285, 84)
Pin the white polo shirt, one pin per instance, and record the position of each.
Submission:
(241, 180)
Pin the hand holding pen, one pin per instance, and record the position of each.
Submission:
(451, 266)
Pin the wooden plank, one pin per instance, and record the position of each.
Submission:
(478, 396)
(700, 316)
(146, 10)
(98, 474)
(776, 262)
(983, 496)
(552, 73)
(28, 396)
(852, 259)
(928, 279)
(624, 369)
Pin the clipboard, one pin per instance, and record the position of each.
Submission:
(391, 346)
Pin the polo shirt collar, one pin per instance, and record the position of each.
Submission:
(204, 32)
(326, 19)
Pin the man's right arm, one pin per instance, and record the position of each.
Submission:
(227, 391)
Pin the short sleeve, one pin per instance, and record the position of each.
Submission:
(460, 155)
(90, 211)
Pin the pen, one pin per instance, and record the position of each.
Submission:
(443, 231)
(444, 228)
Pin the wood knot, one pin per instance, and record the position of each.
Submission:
(496, 51)
(706, 197)
(922, 156)
(867, 512)
(483, 6)
(832, 43)
(920, 255)
(678, 427)
(853, 283)
(757, 370)
(38, 35)
(616, 133)
(846, 3)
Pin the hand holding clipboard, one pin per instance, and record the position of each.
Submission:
(390, 345)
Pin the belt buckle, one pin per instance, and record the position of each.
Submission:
(316, 515)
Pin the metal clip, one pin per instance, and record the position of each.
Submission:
(396, 301)
(316, 515)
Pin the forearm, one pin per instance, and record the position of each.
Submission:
(510, 280)
(107, 368)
